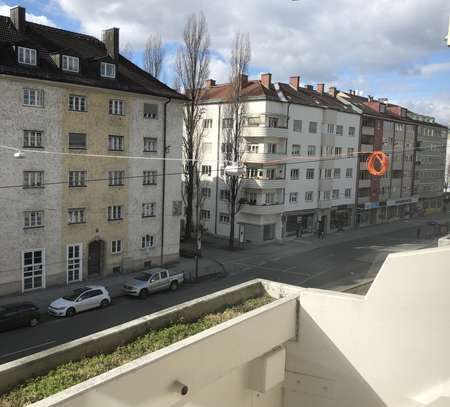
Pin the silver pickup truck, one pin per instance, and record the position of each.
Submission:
(150, 281)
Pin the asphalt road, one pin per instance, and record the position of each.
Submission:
(297, 262)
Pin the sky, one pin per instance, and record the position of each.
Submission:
(385, 48)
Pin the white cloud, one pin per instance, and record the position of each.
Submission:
(314, 39)
(5, 10)
(438, 107)
(430, 69)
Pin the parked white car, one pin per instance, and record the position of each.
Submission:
(81, 299)
(149, 281)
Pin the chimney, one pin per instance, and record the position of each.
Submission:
(110, 38)
(18, 17)
(370, 98)
(266, 79)
(332, 91)
(294, 81)
(209, 83)
(321, 88)
(310, 87)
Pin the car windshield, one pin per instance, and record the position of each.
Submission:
(143, 276)
(74, 294)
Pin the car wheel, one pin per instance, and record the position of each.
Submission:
(70, 312)
(34, 322)
(174, 285)
(143, 293)
(104, 303)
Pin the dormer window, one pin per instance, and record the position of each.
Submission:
(70, 64)
(382, 108)
(108, 70)
(27, 56)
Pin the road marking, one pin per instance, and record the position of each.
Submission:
(26, 349)
(276, 258)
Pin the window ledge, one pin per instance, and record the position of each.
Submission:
(76, 223)
(77, 186)
(33, 227)
(115, 220)
(78, 148)
(149, 216)
(32, 187)
(34, 147)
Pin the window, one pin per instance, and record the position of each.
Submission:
(337, 173)
(32, 139)
(77, 178)
(33, 97)
(205, 214)
(348, 193)
(252, 148)
(225, 195)
(150, 111)
(382, 108)
(351, 131)
(227, 123)
(149, 177)
(297, 126)
(117, 107)
(27, 56)
(311, 151)
(227, 148)
(74, 262)
(313, 127)
(271, 148)
(33, 179)
(148, 210)
(326, 195)
(295, 173)
(206, 148)
(224, 218)
(206, 192)
(293, 196)
(115, 212)
(350, 151)
(309, 196)
(269, 198)
(253, 121)
(148, 241)
(252, 197)
(150, 144)
(70, 64)
(77, 103)
(296, 149)
(77, 215)
(116, 178)
(108, 70)
(338, 151)
(33, 262)
(330, 128)
(33, 219)
(339, 130)
(177, 207)
(310, 173)
(115, 143)
(349, 172)
(116, 246)
(327, 173)
(335, 193)
(206, 170)
(207, 123)
(273, 121)
(77, 141)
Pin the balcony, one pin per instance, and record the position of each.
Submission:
(364, 183)
(263, 209)
(265, 131)
(263, 157)
(368, 131)
(325, 204)
(264, 183)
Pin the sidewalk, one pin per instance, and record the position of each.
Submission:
(114, 283)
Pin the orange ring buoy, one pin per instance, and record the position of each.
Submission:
(380, 160)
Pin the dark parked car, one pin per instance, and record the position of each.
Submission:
(17, 315)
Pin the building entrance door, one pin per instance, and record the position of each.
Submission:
(95, 252)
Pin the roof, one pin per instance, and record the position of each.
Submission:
(254, 89)
(49, 40)
(311, 97)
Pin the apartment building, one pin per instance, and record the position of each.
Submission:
(90, 195)
(430, 163)
(299, 157)
(384, 127)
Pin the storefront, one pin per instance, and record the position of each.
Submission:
(401, 208)
(295, 221)
(341, 217)
(366, 214)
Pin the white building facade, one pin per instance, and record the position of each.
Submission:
(299, 153)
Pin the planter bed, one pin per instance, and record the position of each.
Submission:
(72, 373)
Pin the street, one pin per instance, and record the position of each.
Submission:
(339, 261)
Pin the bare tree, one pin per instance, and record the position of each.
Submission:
(128, 51)
(192, 69)
(154, 54)
(236, 112)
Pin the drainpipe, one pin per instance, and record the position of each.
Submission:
(163, 199)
